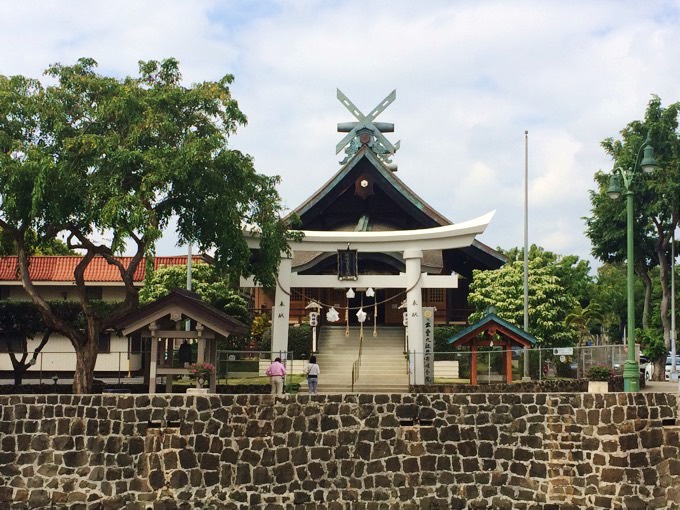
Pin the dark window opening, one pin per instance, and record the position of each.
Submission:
(105, 342)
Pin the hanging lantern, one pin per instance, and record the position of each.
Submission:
(370, 292)
(350, 293)
(332, 315)
(347, 264)
(361, 315)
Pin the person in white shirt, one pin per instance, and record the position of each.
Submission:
(312, 370)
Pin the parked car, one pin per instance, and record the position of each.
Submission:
(669, 365)
(647, 367)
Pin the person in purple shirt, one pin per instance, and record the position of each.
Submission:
(277, 374)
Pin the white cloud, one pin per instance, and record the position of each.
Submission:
(471, 77)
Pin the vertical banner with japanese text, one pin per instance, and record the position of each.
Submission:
(428, 342)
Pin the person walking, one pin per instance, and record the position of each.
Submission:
(277, 375)
(312, 370)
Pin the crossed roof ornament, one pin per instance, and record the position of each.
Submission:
(365, 124)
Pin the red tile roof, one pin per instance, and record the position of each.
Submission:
(60, 268)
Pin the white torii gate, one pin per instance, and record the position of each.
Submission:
(410, 242)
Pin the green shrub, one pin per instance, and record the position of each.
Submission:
(441, 337)
(599, 373)
(299, 340)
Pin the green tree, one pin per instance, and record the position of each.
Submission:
(205, 281)
(608, 294)
(550, 299)
(573, 273)
(656, 204)
(41, 247)
(98, 157)
(586, 319)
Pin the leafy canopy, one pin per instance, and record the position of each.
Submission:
(109, 163)
(205, 281)
(551, 298)
(656, 204)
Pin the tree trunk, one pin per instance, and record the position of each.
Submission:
(659, 369)
(664, 279)
(646, 304)
(19, 372)
(21, 366)
(86, 358)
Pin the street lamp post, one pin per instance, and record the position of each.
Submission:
(674, 369)
(622, 179)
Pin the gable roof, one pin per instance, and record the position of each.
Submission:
(190, 305)
(47, 268)
(387, 204)
(388, 188)
(492, 323)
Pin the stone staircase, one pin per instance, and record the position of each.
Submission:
(383, 364)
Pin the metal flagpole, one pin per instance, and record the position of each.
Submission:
(187, 323)
(189, 268)
(526, 250)
(674, 370)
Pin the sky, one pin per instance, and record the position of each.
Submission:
(471, 77)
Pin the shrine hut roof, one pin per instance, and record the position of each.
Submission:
(492, 323)
(190, 305)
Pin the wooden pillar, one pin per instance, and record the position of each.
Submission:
(153, 361)
(167, 362)
(508, 363)
(473, 364)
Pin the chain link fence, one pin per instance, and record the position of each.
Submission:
(543, 363)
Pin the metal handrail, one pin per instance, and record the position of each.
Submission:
(356, 365)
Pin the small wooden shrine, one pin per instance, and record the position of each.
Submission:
(164, 322)
(492, 331)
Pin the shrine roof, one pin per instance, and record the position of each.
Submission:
(191, 306)
(492, 322)
(390, 204)
(338, 183)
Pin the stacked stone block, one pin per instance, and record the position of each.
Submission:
(505, 451)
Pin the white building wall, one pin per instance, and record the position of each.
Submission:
(58, 354)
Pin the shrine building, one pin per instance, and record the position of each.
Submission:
(373, 252)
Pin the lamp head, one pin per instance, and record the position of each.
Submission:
(614, 188)
(648, 163)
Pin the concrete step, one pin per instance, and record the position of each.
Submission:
(383, 365)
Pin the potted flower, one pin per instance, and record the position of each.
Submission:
(598, 378)
(201, 372)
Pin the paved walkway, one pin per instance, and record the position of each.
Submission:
(662, 387)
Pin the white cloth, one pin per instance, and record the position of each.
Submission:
(332, 315)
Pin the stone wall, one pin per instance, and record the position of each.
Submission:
(427, 451)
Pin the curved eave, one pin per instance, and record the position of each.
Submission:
(437, 238)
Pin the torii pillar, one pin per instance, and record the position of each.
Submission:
(281, 310)
(414, 309)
